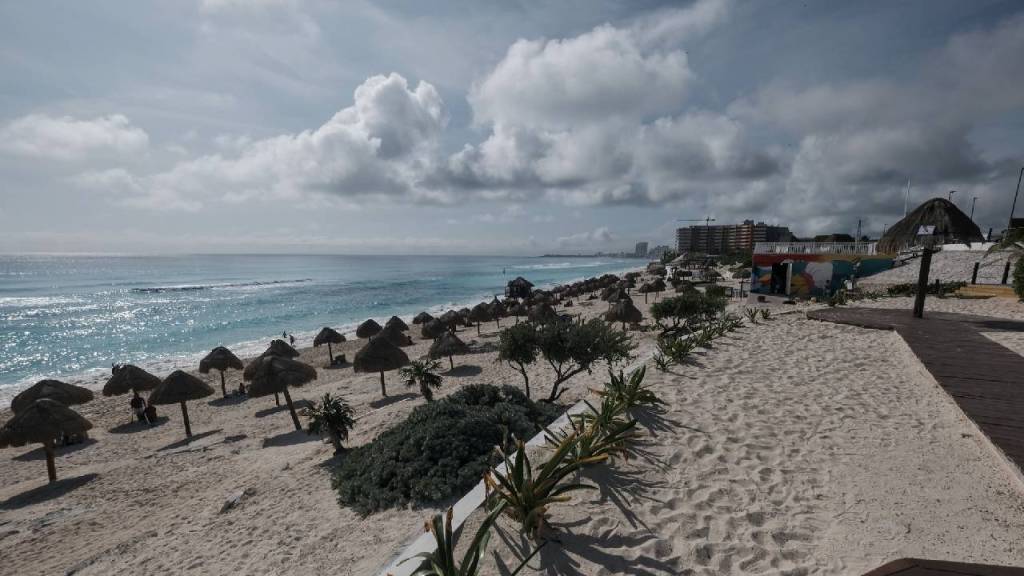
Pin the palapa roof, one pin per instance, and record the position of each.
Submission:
(42, 421)
(128, 377)
(66, 394)
(178, 387)
(379, 355)
(422, 318)
(481, 313)
(624, 311)
(542, 313)
(368, 328)
(272, 374)
(220, 358)
(282, 349)
(433, 328)
(951, 225)
(447, 345)
(328, 336)
(393, 335)
(398, 323)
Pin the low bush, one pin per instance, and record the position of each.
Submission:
(1018, 278)
(441, 449)
(934, 288)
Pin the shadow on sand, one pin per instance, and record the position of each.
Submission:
(187, 441)
(464, 370)
(133, 427)
(289, 439)
(40, 454)
(46, 492)
(231, 400)
(299, 405)
(382, 402)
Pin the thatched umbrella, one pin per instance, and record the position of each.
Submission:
(368, 328)
(464, 316)
(328, 336)
(517, 310)
(645, 289)
(66, 394)
(422, 318)
(624, 311)
(542, 313)
(129, 378)
(221, 359)
(273, 375)
(448, 345)
(280, 348)
(397, 323)
(451, 319)
(43, 421)
(395, 336)
(433, 329)
(178, 388)
(950, 224)
(379, 355)
(480, 313)
(657, 286)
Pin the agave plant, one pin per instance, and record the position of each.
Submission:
(751, 314)
(766, 314)
(630, 393)
(674, 350)
(525, 495)
(422, 373)
(705, 337)
(441, 562)
(597, 440)
(331, 418)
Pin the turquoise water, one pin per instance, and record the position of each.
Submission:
(72, 316)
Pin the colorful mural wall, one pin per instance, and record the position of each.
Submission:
(813, 274)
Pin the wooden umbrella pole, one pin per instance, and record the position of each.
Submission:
(184, 416)
(330, 354)
(383, 388)
(51, 468)
(291, 408)
(451, 363)
(223, 388)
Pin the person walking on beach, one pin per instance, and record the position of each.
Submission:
(291, 339)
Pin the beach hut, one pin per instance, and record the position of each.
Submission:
(624, 311)
(43, 421)
(448, 345)
(393, 335)
(221, 359)
(940, 218)
(480, 313)
(368, 328)
(328, 336)
(422, 318)
(274, 375)
(397, 323)
(379, 355)
(519, 288)
(433, 329)
(66, 394)
(178, 388)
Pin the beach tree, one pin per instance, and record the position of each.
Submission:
(422, 373)
(571, 348)
(517, 346)
(331, 418)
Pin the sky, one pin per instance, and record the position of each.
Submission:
(494, 127)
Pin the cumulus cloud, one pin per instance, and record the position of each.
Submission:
(597, 237)
(69, 138)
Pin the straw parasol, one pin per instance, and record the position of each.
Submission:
(542, 313)
(66, 394)
(280, 348)
(221, 359)
(273, 375)
(178, 388)
(624, 311)
(464, 316)
(433, 329)
(397, 323)
(379, 355)
(422, 318)
(328, 336)
(448, 345)
(657, 286)
(129, 378)
(498, 309)
(43, 421)
(517, 310)
(950, 224)
(395, 336)
(480, 313)
(450, 319)
(368, 328)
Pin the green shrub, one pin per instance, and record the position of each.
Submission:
(331, 418)
(441, 449)
(1018, 278)
(940, 289)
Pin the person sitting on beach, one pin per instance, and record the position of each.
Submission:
(150, 413)
(139, 407)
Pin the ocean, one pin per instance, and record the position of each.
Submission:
(70, 317)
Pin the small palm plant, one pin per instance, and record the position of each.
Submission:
(751, 314)
(525, 494)
(766, 314)
(422, 373)
(630, 393)
(331, 418)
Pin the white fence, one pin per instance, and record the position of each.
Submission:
(861, 248)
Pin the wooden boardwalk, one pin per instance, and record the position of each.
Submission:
(916, 567)
(985, 379)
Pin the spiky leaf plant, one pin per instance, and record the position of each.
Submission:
(751, 314)
(766, 314)
(596, 441)
(630, 392)
(331, 418)
(422, 373)
(441, 562)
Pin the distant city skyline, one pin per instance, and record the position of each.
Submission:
(459, 127)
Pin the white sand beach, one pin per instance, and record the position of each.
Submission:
(793, 446)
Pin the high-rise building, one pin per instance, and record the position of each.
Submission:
(728, 238)
(641, 250)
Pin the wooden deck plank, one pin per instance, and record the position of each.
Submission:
(917, 567)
